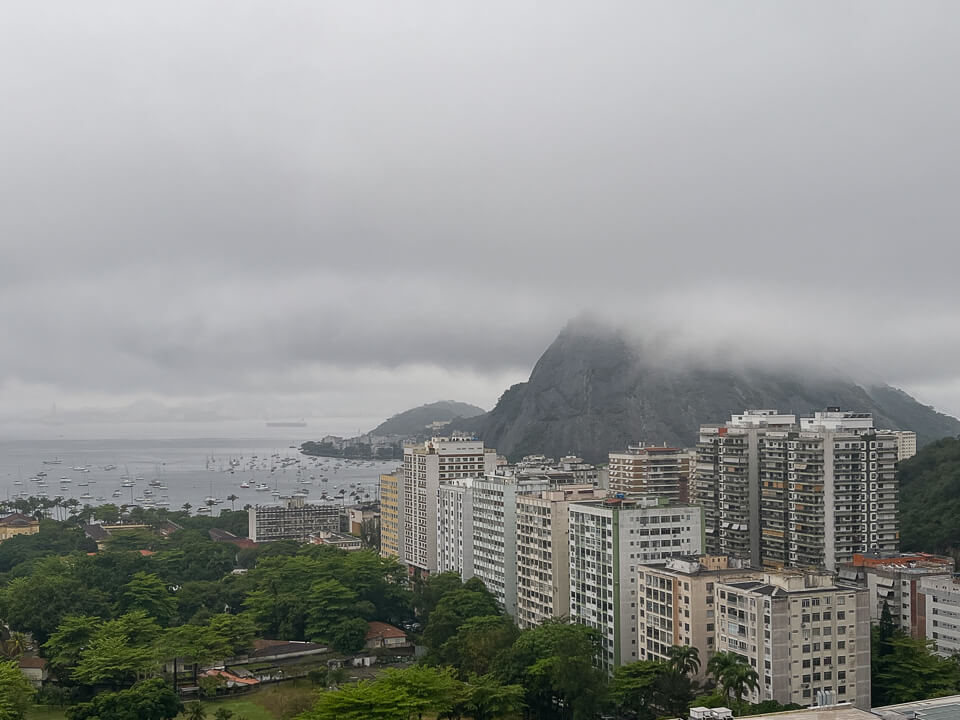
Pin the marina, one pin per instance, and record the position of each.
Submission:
(204, 476)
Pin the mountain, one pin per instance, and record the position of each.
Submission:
(415, 421)
(930, 497)
(594, 391)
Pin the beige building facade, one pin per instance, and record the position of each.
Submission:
(543, 552)
(806, 635)
(677, 604)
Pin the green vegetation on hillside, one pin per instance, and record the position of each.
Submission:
(415, 421)
(930, 498)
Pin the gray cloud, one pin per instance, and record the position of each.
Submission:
(202, 205)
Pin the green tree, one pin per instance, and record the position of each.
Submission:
(149, 699)
(634, 687)
(348, 636)
(65, 646)
(194, 711)
(427, 689)
(108, 514)
(554, 662)
(477, 643)
(329, 602)
(453, 609)
(741, 678)
(121, 651)
(487, 699)
(147, 592)
(196, 644)
(55, 582)
(16, 692)
(684, 659)
(905, 669)
(237, 631)
(365, 700)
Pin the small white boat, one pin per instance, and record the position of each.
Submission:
(55, 461)
(244, 484)
(262, 487)
(109, 467)
(85, 496)
(203, 511)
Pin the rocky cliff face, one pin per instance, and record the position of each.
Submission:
(594, 391)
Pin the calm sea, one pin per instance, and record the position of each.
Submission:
(182, 470)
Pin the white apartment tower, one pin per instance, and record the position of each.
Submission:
(455, 527)
(807, 636)
(543, 552)
(424, 467)
(609, 539)
(494, 529)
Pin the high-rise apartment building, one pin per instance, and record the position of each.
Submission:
(455, 527)
(906, 444)
(424, 466)
(391, 523)
(495, 532)
(608, 540)
(727, 482)
(650, 469)
(779, 494)
(676, 605)
(543, 552)
(806, 635)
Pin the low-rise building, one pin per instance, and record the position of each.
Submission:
(609, 539)
(294, 519)
(894, 580)
(384, 635)
(806, 634)
(677, 604)
(18, 524)
(337, 540)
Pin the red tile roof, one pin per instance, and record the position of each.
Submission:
(380, 630)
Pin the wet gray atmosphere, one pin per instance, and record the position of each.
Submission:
(214, 214)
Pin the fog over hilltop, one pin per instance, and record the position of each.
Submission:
(339, 211)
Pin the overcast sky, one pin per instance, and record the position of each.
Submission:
(345, 209)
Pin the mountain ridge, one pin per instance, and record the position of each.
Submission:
(594, 390)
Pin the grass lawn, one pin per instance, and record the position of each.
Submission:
(241, 707)
(275, 702)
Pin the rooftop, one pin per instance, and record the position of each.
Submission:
(18, 520)
(381, 630)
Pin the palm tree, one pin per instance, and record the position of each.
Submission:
(194, 711)
(684, 659)
(233, 500)
(186, 507)
(719, 665)
(742, 678)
